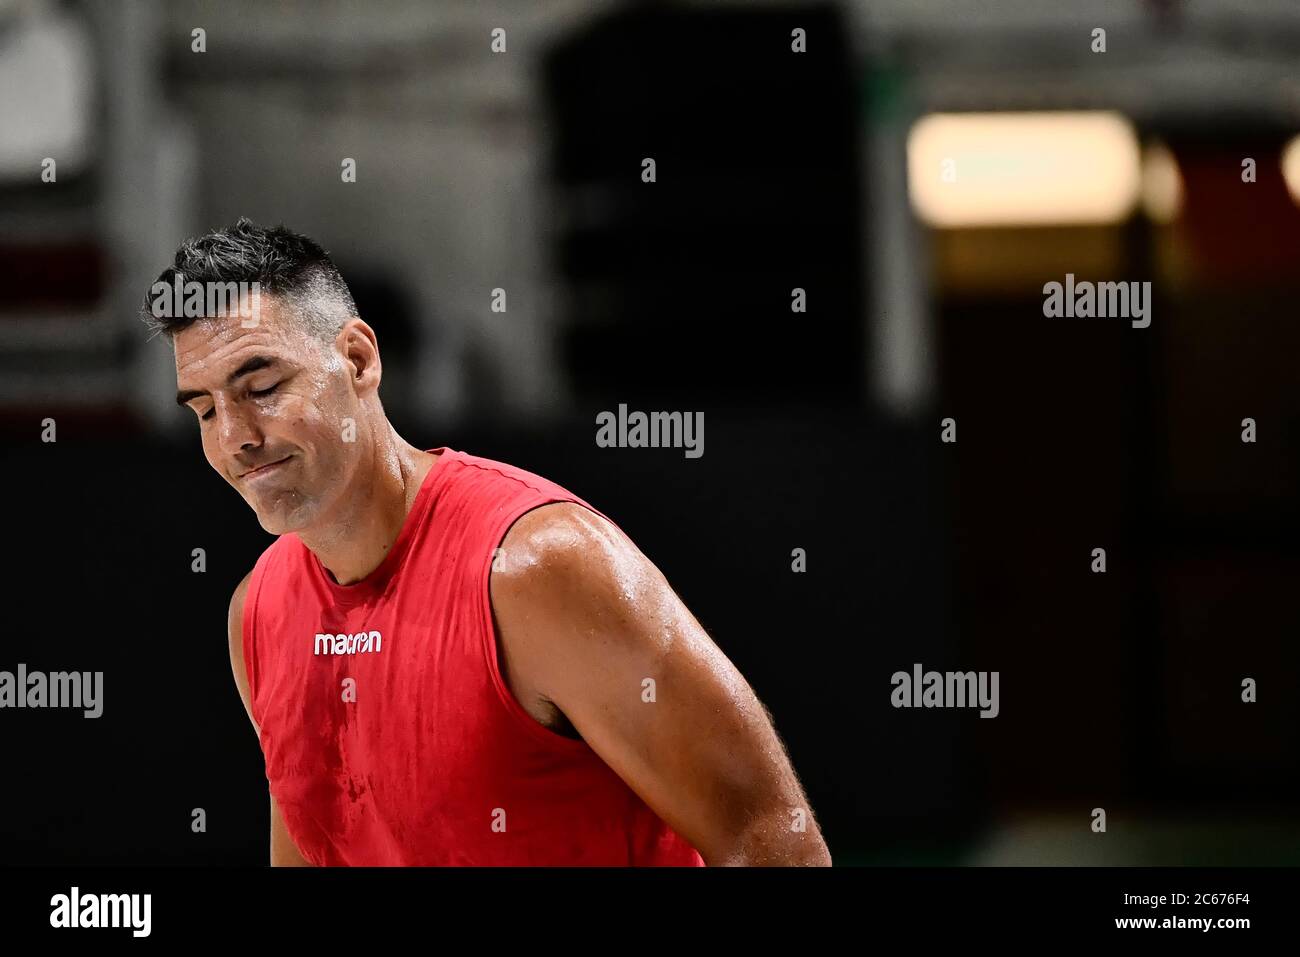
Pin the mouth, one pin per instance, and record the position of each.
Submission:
(265, 469)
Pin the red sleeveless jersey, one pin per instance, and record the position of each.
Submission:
(389, 734)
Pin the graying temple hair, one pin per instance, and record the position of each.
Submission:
(284, 264)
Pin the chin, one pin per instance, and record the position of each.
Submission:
(273, 524)
(281, 521)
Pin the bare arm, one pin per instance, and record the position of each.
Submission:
(284, 853)
(587, 619)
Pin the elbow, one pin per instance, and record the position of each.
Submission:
(772, 844)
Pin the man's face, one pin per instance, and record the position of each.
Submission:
(270, 403)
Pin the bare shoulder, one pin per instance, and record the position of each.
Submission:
(562, 547)
(568, 590)
(566, 576)
(235, 614)
(235, 637)
(552, 532)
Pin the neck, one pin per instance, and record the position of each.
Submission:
(375, 505)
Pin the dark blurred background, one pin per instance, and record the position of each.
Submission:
(821, 170)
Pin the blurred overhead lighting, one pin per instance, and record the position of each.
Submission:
(47, 86)
(1162, 184)
(1023, 169)
(1291, 168)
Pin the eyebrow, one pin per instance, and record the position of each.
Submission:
(249, 366)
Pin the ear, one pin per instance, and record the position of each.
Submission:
(360, 351)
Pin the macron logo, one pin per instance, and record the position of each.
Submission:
(359, 643)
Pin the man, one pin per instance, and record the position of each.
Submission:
(448, 660)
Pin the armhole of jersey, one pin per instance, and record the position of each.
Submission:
(484, 587)
(248, 635)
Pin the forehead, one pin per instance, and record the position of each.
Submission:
(208, 346)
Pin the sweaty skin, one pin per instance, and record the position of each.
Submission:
(583, 617)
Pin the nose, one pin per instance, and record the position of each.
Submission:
(237, 429)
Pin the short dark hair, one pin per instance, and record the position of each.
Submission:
(283, 263)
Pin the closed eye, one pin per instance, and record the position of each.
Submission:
(267, 391)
